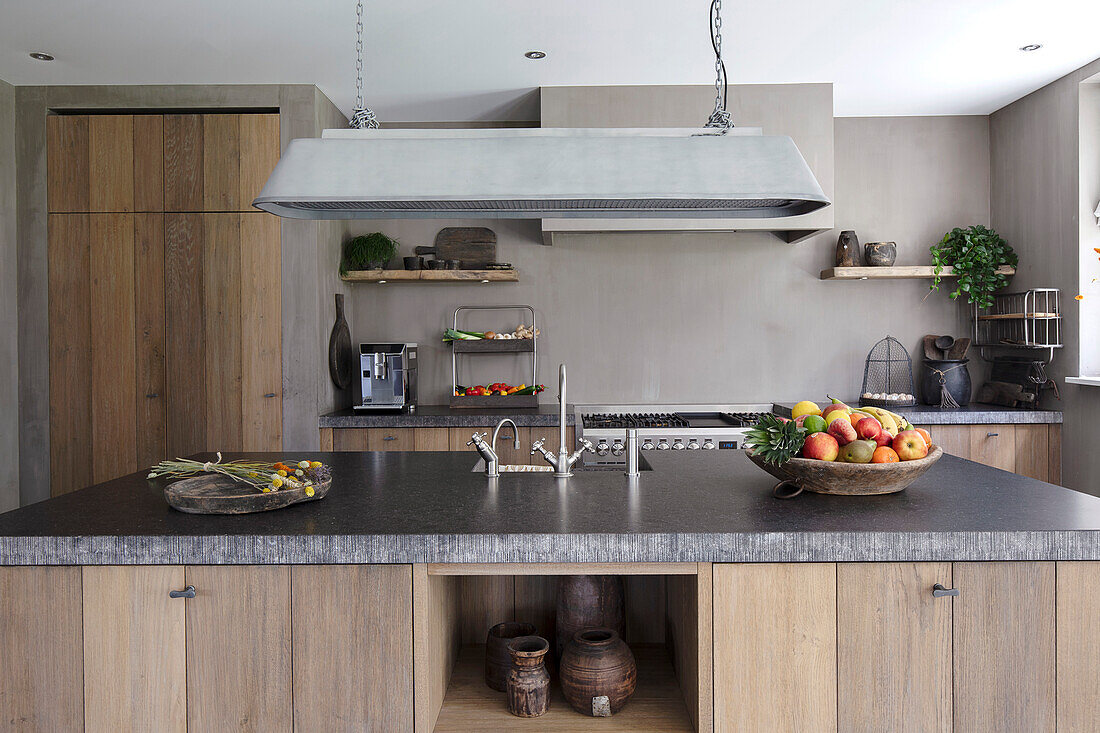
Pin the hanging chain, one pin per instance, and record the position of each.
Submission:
(361, 117)
(719, 118)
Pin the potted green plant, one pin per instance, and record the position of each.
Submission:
(367, 252)
(975, 253)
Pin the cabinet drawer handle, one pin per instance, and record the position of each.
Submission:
(390, 437)
(938, 591)
(269, 395)
(188, 592)
(991, 435)
(152, 396)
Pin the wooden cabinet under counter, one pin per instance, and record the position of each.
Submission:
(1033, 450)
(444, 439)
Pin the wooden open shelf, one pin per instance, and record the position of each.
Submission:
(657, 703)
(668, 609)
(907, 272)
(1017, 316)
(436, 276)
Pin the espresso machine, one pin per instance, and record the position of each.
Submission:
(387, 377)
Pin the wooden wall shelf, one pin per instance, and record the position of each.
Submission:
(906, 272)
(438, 276)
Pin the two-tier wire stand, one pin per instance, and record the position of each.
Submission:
(495, 346)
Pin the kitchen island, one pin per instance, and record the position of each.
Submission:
(746, 613)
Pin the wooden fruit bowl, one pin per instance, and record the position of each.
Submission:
(848, 479)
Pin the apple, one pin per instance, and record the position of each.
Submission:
(869, 428)
(843, 431)
(884, 438)
(910, 445)
(820, 447)
(829, 409)
(801, 419)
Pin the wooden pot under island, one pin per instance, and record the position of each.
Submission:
(498, 657)
(528, 681)
(585, 602)
(598, 673)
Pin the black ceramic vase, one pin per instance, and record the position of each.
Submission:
(950, 375)
(847, 249)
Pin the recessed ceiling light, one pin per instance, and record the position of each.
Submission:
(535, 54)
(41, 56)
(1031, 47)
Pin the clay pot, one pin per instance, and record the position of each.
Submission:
(528, 680)
(880, 254)
(497, 658)
(847, 249)
(598, 672)
(585, 602)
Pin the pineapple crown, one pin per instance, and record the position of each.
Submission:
(775, 440)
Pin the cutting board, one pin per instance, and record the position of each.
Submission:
(217, 494)
(475, 247)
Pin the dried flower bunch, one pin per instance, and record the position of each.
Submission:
(265, 477)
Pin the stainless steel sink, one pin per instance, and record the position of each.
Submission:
(479, 467)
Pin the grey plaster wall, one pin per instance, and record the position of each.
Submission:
(1036, 206)
(9, 323)
(298, 106)
(705, 317)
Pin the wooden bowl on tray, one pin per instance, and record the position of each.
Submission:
(845, 479)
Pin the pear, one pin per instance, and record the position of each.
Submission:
(858, 451)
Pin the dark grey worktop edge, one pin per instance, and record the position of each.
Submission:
(553, 548)
(973, 414)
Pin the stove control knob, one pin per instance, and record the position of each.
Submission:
(708, 444)
(692, 445)
(618, 448)
(663, 445)
(602, 448)
(678, 445)
(647, 444)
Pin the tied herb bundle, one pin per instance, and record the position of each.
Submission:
(776, 441)
(265, 477)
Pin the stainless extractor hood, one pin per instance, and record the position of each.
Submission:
(533, 173)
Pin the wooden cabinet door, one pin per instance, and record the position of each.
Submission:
(352, 647)
(954, 439)
(994, 445)
(431, 439)
(387, 439)
(135, 673)
(893, 647)
(1078, 646)
(238, 648)
(775, 647)
(1032, 451)
(41, 669)
(261, 332)
(1004, 646)
(551, 434)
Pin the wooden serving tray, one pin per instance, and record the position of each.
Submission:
(217, 494)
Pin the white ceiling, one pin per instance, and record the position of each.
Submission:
(463, 59)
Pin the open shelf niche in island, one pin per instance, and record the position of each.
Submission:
(668, 627)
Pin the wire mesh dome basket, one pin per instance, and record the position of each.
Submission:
(888, 376)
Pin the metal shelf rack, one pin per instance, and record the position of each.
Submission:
(493, 346)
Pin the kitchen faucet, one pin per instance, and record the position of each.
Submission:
(488, 451)
(563, 461)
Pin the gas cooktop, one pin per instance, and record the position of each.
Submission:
(687, 427)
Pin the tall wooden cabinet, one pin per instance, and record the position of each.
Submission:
(164, 291)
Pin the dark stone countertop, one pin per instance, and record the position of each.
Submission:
(972, 414)
(443, 416)
(430, 507)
